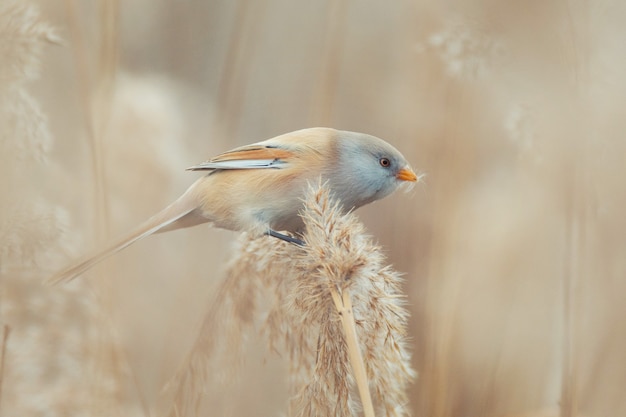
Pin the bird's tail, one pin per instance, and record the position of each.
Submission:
(181, 213)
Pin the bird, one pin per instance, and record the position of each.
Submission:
(260, 188)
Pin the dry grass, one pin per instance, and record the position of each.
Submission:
(513, 250)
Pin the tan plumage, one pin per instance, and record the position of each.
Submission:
(259, 188)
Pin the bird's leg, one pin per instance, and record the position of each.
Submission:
(286, 238)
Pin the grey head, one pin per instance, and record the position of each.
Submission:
(370, 169)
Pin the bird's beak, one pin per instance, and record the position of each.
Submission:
(406, 174)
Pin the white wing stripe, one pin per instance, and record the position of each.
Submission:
(239, 164)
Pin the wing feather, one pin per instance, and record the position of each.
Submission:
(247, 157)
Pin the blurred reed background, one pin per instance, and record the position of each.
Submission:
(514, 246)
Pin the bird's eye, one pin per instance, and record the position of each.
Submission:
(384, 162)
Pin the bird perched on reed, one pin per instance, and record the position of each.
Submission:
(259, 188)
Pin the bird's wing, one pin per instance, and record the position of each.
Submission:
(257, 156)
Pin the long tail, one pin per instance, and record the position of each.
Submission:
(181, 213)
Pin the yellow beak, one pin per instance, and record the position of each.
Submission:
(406, 174)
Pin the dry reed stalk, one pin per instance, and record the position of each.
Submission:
(3, 348)
(96, 86)
(238, 63)
(94, 143)
(343, 303)
(315, 329)
(330, 65)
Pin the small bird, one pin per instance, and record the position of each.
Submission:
(259, 188)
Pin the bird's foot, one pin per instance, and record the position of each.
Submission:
(286, 238)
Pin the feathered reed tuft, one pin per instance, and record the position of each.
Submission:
(303, 322)
(22, 36)
(50, 338)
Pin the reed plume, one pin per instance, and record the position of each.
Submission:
(304, 318)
